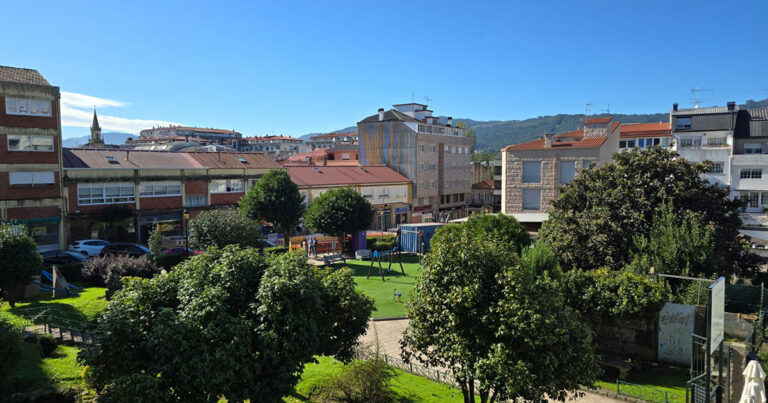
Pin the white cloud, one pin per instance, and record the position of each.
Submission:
(76, 111)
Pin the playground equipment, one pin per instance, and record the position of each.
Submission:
(397, 295)
(59, 285)
(387, 253)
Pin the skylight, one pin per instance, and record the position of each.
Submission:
(111, 159)
(241, 159)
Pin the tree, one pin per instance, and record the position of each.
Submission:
(468, 132)
(275, 199)
(497, 320)
(19, 260)
(339, 212)
(500, 228)
(221, 228)
(230, 323)
(598, 215)
(156, 241)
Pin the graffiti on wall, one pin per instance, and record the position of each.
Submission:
(675, 329)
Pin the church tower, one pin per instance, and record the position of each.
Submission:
(95, 141)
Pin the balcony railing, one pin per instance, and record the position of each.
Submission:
(754, 220)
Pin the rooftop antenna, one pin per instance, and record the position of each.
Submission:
(698, 90)
(427, 99)
(586, 111)
(608, 111)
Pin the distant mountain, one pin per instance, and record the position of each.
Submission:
(494, 134)
(109, 138)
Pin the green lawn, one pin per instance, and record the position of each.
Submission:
(77, 311)
(60, 370)
(666, 378)
(383, 292)
(409, 388)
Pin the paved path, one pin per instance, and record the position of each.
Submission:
(389, 333)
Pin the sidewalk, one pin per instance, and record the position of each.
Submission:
(389, 334)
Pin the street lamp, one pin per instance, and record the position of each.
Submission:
(186, 232)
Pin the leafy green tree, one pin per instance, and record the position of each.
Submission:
(500, 228)
(677, 244)
(275, 199)
(19, 260)
(598, 215)
(499, 322)
(468, 132)
(156, 241)
(230, 323)
(339, 212)
(10, 353)
(221, 228)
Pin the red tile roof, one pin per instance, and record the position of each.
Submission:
(486, 184)
(97, 158)
(268, 138)
(660, 129)
(232, 160)
(615, 125)
(576, 133)
(343, 175)
(598, 120)
(589, 142)
(23, 76)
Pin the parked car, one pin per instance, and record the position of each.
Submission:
(124, 248)
(177, 251)
(53, 257)
(88, 247)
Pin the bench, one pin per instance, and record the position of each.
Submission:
(363, 254)
(330, 259)
(615, 362)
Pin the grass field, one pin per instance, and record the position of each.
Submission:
(666, 378)
(60, 370)
(77, 311)
(409, 388)
(383, 291)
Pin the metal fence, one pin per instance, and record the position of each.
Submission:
(444, 377)
(647, 393)
(740, 298)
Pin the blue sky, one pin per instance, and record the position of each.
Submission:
(301, 67)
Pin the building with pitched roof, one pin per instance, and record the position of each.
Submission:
(228, 138)
(147, 188)
(644, 135)
(388, 191)
(277, 147)
(30, 154)
(435, 156)
(331, 140)
(532, 172)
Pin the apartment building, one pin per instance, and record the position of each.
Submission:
(343, 154)
(30, 154)
(435, 156)
(331, 140)
(532, 172)
(201, 135)
(120, 195)
(388, 191)
(644, 135)
(276, 147)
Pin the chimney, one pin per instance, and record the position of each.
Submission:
(548, 139)
(731, 106)
(127, 155)
(381, 114)
(674, 106)
(450, 121)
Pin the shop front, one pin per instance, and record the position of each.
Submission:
(170, 224)
(44, 230)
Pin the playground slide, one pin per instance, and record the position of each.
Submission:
(46, 287)
(49, 276)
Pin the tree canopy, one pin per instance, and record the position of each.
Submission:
(19, 260)
(339, 212)
(597, 217)
(221, 228)
(229, 323)
(501, 228)
(498, 321)
(275, 199)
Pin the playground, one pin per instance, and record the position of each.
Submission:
(384, 292)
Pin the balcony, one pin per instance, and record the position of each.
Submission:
(754, 220)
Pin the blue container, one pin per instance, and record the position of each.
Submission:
(414, 238)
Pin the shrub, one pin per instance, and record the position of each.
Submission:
(358, 381)
(10, 348)
(47, 344)
(275, 250)
(96, 270)
(380, 244)
(221, 228)
(71, 271)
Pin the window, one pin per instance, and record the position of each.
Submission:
(432, 184)
(567, 170)
(226, 185)
(531, 199)
(754, 173)
(461, 197)
(585, 164)
(622, 144)
(195, 200)
(31, 178)
(690, 143)
(433, 148)
(421, 166)
(455, 197)
(160, 189)
(751, 198)
(753, 148)
(532, 172)
(683, 123)
(108, 193)
(719, 141)
(432, 167)
(27, 107)
(421, 147)
(764, 198)
(630, 143)
(421, 185)
(665, 142)
(30, 143)
(442, 199)
(717, 168)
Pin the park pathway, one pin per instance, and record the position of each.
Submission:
(389, 333)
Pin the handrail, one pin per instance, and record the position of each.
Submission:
(647, 393)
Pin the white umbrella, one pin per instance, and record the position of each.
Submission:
(754, 371)
(753, 393)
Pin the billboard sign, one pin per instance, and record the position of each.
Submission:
(716, 313)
